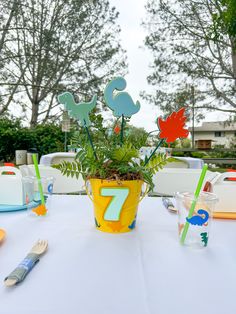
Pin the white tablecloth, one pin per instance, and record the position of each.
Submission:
(145, 271)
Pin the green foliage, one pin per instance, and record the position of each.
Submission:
(225, 18)
(115, 162)
(45, 138)
(199, 154)
(137, 136)
(12, 136)
(48, 138)
(178, 154)
(184, 143)
(122, 154)
(213, 153)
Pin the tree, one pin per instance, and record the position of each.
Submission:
(6, 17)
(191, 47)
(62, 45)
(226, 17)
(6, 20)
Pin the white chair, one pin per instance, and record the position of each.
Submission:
(168, 181)
(56, 158)
(62, 184)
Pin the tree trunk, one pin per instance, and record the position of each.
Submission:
(34, 114)
(233, 54)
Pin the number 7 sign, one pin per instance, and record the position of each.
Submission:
(114, 208)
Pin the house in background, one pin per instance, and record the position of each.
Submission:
(211, 134)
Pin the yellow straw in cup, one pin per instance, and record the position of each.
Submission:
(196, 195)
(43, 209)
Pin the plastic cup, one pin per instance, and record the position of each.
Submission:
(35, 207)
(200, 221)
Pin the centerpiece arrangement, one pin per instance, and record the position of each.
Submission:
(113, 169)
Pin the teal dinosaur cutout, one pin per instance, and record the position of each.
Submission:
(78, 111)
(121, 103)
(204, 237)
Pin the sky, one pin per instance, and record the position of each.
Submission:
(132, 12)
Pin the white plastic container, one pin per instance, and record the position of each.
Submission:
(168, 181)
(11, 188)
(225, 190)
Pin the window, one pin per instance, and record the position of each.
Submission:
(219, 134)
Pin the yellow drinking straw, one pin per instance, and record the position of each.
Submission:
(196, 195)
(34, 157)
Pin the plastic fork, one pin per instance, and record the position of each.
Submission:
(40, 247)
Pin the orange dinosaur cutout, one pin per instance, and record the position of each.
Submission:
(40, 210)
(115, 226)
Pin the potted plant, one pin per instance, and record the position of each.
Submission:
(113, 168)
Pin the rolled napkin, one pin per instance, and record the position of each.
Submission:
(19, 274)
(32, 258)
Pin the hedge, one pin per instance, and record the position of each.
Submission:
(46, 138)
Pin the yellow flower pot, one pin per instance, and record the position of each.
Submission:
(115, 204)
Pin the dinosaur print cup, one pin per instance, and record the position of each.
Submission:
(37, 195)
(199, 222)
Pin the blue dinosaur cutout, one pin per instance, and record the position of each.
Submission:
(198, 220)
(78, 111)
(120, 103)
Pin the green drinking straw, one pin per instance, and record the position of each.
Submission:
(196, 195)
(34, 156)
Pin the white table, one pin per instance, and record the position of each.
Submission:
(145, 271)
(193, 163)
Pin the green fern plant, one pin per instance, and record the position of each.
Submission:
(114, 162)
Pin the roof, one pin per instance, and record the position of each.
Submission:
(215, 126)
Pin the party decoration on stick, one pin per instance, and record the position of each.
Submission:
(79, 112)
(171, 129)
(120, 102)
